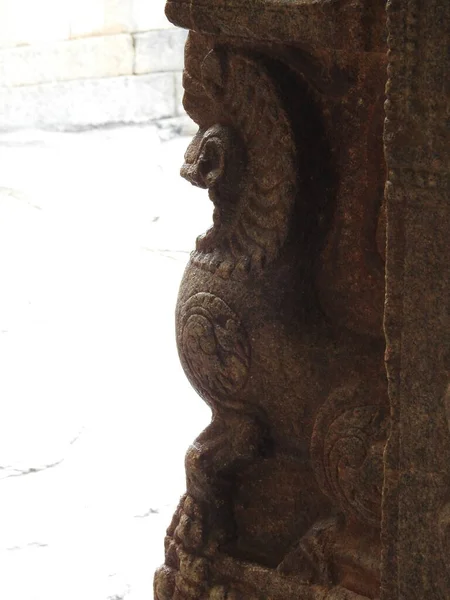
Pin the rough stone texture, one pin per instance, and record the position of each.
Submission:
(89, 58)
(320, 24)
(159, 50)
(274, 332)
(416, 529)
(280, 310)
(89, 102)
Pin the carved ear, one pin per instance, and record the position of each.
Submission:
(212, 162)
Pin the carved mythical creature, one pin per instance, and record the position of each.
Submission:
(247, 162)
(284, 487)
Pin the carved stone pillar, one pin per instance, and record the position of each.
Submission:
(416, 507)
(280, 311)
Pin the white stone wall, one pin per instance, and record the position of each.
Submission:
(34, 21)
(76, 63)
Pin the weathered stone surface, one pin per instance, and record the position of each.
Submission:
(91, 102)
(89, 58)
(293, 491)
(274, 332)
(160, 50)
(416, 515)
(344, 25)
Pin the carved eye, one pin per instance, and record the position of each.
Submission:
(212, 161)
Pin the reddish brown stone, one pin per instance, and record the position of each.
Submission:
(280, 311)
(416, 510)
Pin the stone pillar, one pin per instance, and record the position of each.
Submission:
(280, 311)
(416, 510)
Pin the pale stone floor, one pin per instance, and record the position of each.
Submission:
(96, 414)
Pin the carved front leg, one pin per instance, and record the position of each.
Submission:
(227, 444)
(204, 520)
(212, 463)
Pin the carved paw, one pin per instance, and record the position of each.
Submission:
(186, 582)
(164, 583)
(189, 529)
(185, 573)
(205, 459)
(215, 454)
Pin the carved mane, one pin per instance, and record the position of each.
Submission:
(244, 98)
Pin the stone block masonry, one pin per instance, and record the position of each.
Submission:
(88, 58)
(159, 51)
(84, 103)
(92, 81)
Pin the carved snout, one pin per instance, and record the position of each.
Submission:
(204, 164)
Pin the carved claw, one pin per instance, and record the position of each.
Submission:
(164, 583)
(185, 573)
(186, 529)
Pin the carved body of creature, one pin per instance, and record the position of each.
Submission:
(299, 405)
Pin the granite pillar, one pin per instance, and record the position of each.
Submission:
(323, 475)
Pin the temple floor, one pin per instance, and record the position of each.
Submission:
(96, 414)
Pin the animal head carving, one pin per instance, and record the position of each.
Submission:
(206, 157)
(214, 160)
(244, 154)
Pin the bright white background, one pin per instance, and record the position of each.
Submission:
(95, 412)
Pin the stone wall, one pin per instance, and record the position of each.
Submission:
(67, 64)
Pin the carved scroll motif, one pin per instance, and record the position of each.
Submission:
(214, 346)
(347, 451)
